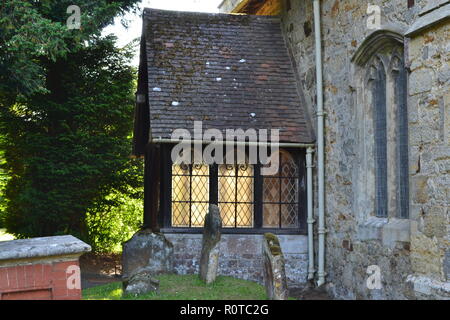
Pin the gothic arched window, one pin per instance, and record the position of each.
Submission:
(384, 133)
(378, 88)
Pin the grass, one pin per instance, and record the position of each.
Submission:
(5, 236)
(185, 287)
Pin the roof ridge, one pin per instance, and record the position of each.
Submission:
(149, 11)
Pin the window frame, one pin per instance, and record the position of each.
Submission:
(165, 212)
(383, 52)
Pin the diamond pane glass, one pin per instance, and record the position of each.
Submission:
(227, 212)
(227, 170)
(288, 166)
(289, 215)
(199, 211)
(235, 185)
(227, 189)
(200, 170)
(190, 195)
(245, 170)
(244, 189)
(180, 188)
(271, 190)
(289, 190)
(244, 216)
(180, 170)
(271, 216)
(200, 189)
(281, 195)
(180, 214)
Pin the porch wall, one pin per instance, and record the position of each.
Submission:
(241, 256)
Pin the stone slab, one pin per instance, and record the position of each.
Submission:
(42, 247)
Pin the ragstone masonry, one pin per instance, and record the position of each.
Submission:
(241, 256)
(412, 253)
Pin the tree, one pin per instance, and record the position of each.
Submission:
(68, 149)
(66, 136)
(36, 29)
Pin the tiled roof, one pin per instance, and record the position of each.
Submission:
(229, 71)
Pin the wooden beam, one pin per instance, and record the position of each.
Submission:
(152, 176)
(259, 7)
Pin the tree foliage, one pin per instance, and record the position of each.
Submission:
(66, 112)
(34, 29)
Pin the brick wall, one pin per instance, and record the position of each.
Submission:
(42, 281)
(41, 268)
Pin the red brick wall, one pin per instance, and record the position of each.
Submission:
(42, 281)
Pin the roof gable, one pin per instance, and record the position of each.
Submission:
(229, 71)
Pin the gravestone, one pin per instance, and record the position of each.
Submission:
(209, 261)
(140, 282)
(274, 269)
(147, 250)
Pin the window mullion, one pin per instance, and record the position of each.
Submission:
(236, 172)
(279, 184)
(213, 184)
(257, 197)
(190, 196)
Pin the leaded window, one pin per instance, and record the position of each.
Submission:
(281, 195)
(382, 99)
(380, 137)
(190, 194)
(248, 200)
(236, 195)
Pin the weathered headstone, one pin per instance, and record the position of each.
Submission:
(209, 261)
(140, 282)
(147, 250)
(274, 270)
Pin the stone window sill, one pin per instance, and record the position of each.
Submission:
(388, 230)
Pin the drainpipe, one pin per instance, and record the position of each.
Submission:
(320, 143)
(310, 221)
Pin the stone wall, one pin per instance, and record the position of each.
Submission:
(429, 55)
(241, 256)
(355, 239)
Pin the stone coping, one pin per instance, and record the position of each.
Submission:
(429, 19)
(42, 247)
(433, 5)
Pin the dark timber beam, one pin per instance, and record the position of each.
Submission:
(152, 176)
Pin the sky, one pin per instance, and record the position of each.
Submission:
(126, 35)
